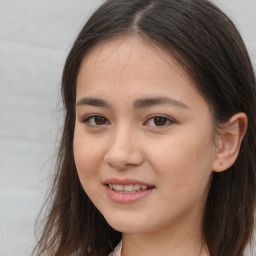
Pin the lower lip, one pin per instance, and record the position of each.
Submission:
(127, 198)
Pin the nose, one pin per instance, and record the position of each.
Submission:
(124, 150)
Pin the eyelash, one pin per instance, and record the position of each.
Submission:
(167, 121)
(90, 117)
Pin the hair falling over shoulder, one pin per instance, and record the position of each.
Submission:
(210, 49)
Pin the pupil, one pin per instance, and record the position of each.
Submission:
(99, 120)
(159, 121)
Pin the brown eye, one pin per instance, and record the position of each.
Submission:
(99, 120)
(160, 121)
(96, 120)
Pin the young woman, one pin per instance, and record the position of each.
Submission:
(158, 152)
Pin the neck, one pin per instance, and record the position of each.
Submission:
(180, 242)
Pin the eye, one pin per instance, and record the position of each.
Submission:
(95, 120)
(159, 121)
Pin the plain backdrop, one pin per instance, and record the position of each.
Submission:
(35, 37)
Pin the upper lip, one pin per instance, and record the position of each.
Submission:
(126, 182)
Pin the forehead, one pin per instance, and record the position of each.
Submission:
(120, 55)
(126, 69)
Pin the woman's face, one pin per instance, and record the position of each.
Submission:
(144, 142)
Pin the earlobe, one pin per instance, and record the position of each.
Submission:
(229, 141)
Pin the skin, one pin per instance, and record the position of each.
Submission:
(177, 158)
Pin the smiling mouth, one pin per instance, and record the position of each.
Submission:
(131, 188)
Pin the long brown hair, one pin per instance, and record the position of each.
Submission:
(208, 46)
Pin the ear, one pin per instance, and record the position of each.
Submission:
(228, 142)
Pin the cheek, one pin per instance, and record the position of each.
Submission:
(81, 155)
(184, 161)
(184, 171)
(86, 160)
(86, 156)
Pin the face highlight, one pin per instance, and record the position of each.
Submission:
(143, 142)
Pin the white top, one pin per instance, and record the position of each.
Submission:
(117, 251)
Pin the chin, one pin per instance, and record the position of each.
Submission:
(126, 226)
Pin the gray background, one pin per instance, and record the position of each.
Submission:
(35, 36)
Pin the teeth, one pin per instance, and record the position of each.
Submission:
(118, 187)
(127, 188)
(136, 187)
(143, 187)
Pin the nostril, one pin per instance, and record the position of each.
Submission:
(123, 158)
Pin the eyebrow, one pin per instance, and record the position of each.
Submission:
(139, 103)
(149, 102)
(93, 102)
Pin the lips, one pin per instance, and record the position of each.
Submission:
(127, 185)
(127, 190)
(131, 188)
